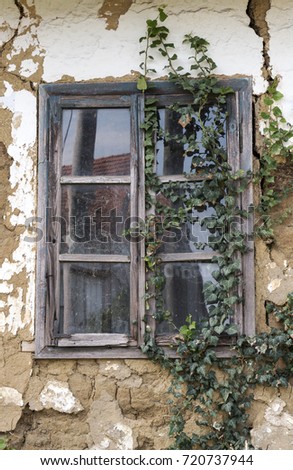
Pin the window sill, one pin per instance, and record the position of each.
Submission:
(50, 352)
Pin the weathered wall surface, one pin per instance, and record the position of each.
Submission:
(113, 404)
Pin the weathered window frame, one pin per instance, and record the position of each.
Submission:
(52, 99)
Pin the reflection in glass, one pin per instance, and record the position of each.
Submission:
(94, 298)
(181, 146)
(183, 292)
(94, 218)
(96, 142)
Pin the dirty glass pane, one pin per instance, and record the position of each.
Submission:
(96, 142)
(199, 229)
(94, 298)
(195, 154)
(94, 218)
(183, 292)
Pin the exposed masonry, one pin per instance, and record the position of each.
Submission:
(111, 11)
(257, 11)
(15, 33)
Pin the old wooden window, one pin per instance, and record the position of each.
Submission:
(91, 272)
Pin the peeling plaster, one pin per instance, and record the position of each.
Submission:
(111, 11)
(28, 67)
(14, 321)
(23, 130)
(22, 105)
(8, 22)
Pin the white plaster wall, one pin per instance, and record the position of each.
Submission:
(280, 21)
(77, 43)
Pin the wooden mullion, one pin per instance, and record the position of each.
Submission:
(88, 258)
(53, 218)
(183, 257)
(233, 149)
(245, 105)
(41, 288)
(95, 179)
(141, 216)
(103, 101)
(134, 304)
(184, 178)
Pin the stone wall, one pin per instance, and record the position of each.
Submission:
(114, 404)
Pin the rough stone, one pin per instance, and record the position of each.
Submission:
(58, 396)
(276, 431)
(9, 417)
(123, 398)
(115, 369)
(105, 384)
(108, 428)
(142, 398)
(10, 396)
(81, 387)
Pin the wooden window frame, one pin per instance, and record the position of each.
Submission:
(52, 99)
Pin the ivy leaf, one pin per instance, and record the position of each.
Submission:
(232, 330)
(277, 111)
(225, 392)
(277, 95)
(219, 329)
(265, 115)
(268, 101)
(141, 83)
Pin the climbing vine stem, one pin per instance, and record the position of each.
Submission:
(211, 395)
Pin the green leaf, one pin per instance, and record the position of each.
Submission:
(277, 95)
(141, 83)
(277, 111)
(268, 101)
(232, 330)
(162, 15)
(219, 329)
(265, 115)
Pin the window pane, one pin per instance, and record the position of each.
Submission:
(181, 202)
(175, 157)
(183, 292)
(94, 218)
(96, 142)
(94, 298)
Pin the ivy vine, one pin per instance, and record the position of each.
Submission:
(211, 395)
(276, 161)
